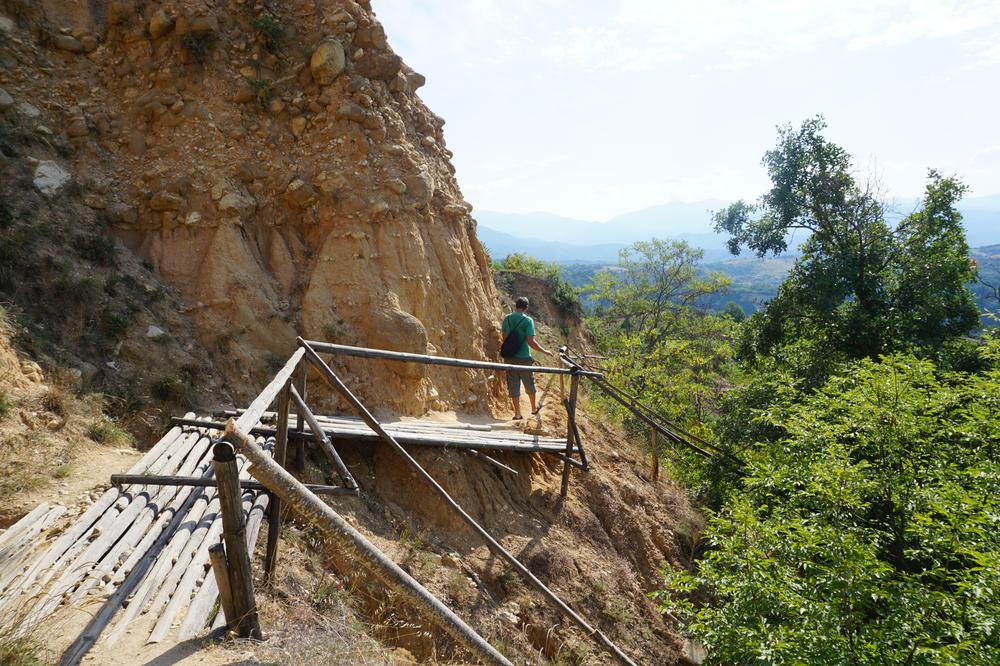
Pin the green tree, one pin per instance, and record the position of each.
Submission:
(860, 288)
(658, 340)
(562, 293)
(869, 533)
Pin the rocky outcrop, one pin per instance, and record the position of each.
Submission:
(278, 169)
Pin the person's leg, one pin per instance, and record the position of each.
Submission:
(528, 378)
(515, 401)
(514, 391)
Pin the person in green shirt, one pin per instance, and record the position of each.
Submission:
(519, 321)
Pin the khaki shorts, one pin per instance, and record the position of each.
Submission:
(516, 378)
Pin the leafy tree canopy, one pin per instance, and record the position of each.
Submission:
(868, 533)
(563, 294)
(657, 339)
(860, 287)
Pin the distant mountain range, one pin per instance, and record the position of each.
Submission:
(567, 240)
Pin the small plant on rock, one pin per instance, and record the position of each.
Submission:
(97, 249)
(270, 31)
(170, 388)
(105, 431)
(199, 45)
(6, 405)
(263, 91)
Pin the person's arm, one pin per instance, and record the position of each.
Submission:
(535, 345)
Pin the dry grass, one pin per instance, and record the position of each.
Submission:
(309, 617)
(105, 430)
(21, 642)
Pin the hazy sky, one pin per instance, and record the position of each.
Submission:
(595, 108)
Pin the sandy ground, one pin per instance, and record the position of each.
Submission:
(92, 470)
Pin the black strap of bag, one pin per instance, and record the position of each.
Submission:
(510, 343)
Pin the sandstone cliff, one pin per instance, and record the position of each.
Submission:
(273, 162)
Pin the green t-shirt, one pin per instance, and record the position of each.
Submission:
(516, 321)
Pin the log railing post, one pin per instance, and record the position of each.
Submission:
(353, 544)
(655, 447)
(274, 507)
(234, 533)
(574, 387)
(220, 567)
(300, 444)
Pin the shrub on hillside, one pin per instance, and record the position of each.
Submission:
(563, 294)
(868, 531)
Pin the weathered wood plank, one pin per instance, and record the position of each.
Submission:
(50, 561)
(26, 521)
(234, 534)
(252, 413)
(354, 544)
(387, 355)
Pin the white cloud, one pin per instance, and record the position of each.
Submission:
(983, 53)
(729, 34)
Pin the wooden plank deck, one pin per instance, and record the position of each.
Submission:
(440, 433)
(143, 550)
(139, 550)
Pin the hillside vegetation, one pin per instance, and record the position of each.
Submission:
(853, 514)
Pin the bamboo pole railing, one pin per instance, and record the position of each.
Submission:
(335, 382)
(388, 355)
(233, 531)
(355, 545)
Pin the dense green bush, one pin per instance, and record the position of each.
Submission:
(562, 293)
(867, 533)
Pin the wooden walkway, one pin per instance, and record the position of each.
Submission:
(142, 550)
(436, 433)
(138, 549)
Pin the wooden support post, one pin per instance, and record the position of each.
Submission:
(655, 446)
(198, 482)
(322, 440)
(353, 544)
(579, 446)
(233, 434)
(300, 444)
(234, 533)
(220, 567)
(274, 515)
(574, 386)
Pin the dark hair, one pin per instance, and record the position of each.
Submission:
(521, 303)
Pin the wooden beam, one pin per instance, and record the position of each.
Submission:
(579, 446)
(353, 544)
(220, 567)
(274, 508)
(493, 461)
(300, 445)
(322, 439)
(252, 415)
(202, 482)
(234, 534)
(655, 447)
(574, 387)
(388, 355)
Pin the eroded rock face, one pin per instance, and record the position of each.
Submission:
(282, 174)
